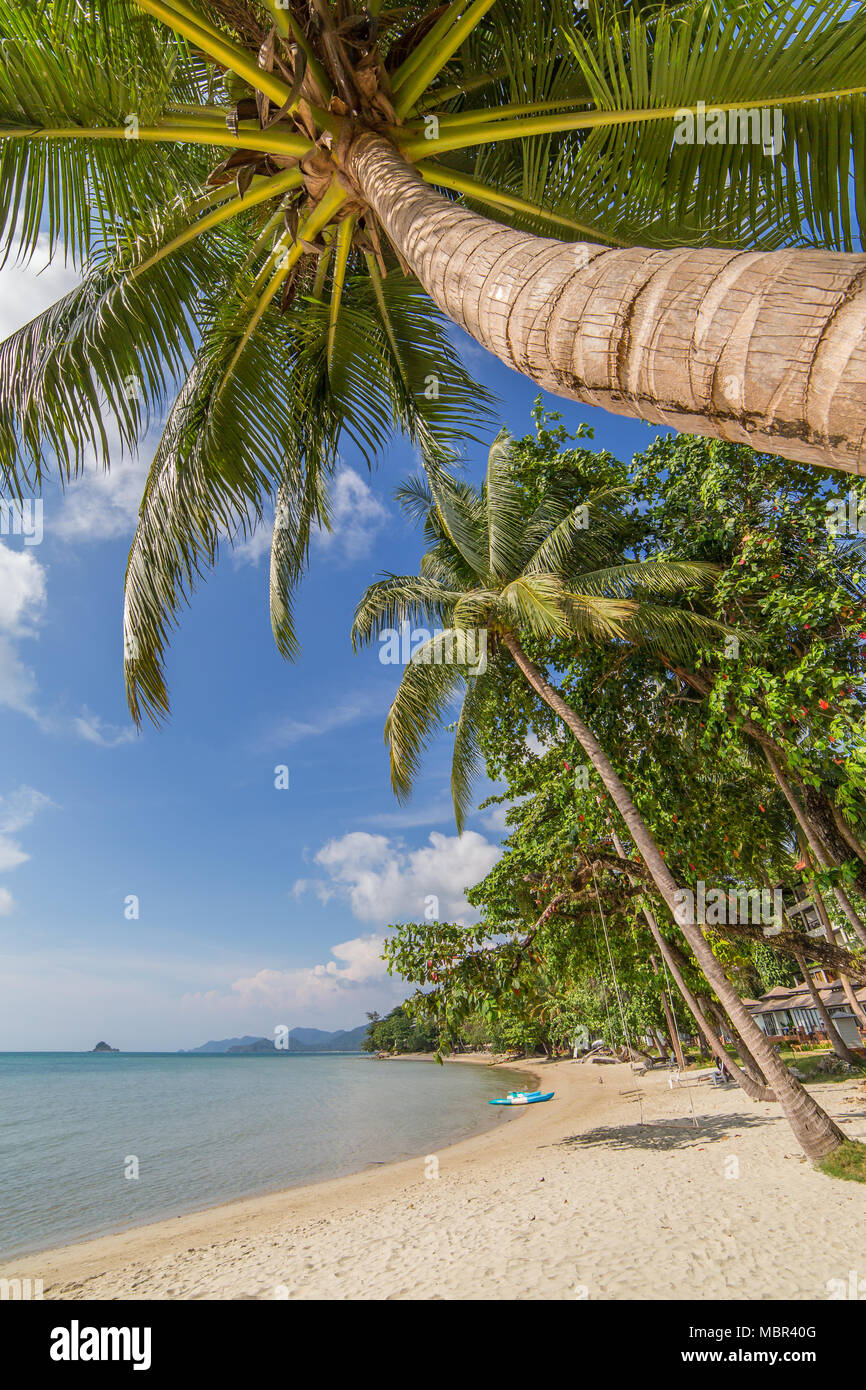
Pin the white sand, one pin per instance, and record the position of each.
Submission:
(570, 1199)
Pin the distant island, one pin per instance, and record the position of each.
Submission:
(299, 1040)
(103, 1047)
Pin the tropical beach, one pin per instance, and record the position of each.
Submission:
(432, 665)
(576, 1199)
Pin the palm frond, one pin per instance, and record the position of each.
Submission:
(653, 576)
(505, 509)
(466, 756)
(397, 599)
(677, 632)
(110, 349)
(64, 67)
(796, 175)
(302, 503)
(418, 711)
(539, 602)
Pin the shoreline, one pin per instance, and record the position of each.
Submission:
(616, 1189)
(61, 1255)
(7, 1262)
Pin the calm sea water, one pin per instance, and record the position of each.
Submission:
(205, 1129)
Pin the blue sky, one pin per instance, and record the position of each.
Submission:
(256, 906)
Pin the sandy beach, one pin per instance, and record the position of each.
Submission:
(572, 1199)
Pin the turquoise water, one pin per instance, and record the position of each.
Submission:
(205, 1129)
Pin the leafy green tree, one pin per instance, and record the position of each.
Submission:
(499, 565)
(793, 584)
(396, 1032)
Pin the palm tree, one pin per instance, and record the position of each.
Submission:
(238, 180)
(241, 180)
(500, 566)
(327, 97)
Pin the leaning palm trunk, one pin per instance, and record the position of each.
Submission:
(825, 819)
(815, 846)
(821, 906)
(764, 348)
(754, 1086)
(725, 1025)
(834, 1037)
(815, 1131)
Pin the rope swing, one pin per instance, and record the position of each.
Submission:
(638, 1088)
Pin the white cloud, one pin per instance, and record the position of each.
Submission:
(22, 591)
(534, 745)
(255, 547)
(11, 855)
(20, 807)
(351, 711)
(384, 881)
(100, 505)
(357, 516)
(494, 819)
(92, 729)
(22, 601)
(17, 810)
(22, 605)
(17, 681)
(356, 966)
(27, 289)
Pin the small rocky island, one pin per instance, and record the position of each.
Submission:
(103, 1047)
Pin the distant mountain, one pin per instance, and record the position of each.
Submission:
(300, 1040)
(222, 1046)
(346, 1041)
(103, 1047)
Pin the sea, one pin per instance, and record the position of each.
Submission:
(92, 1143)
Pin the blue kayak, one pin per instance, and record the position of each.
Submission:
(524, 1098)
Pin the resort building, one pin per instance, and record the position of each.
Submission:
(784, 1012)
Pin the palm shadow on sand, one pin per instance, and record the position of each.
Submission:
(680, 1133)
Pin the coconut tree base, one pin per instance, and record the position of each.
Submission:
(848, 1162)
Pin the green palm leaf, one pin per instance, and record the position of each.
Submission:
(465, 589)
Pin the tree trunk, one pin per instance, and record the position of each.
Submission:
(815, 844)
(821, 908)
(673, 1031)
(825, 818)
(662, 1046)
(814, 1129)
(845, 830)
(750, 1066)
(837, 1042)
(856, 1007)
(753, 1089)
(764, 348)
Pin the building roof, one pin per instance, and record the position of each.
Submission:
(798, 997)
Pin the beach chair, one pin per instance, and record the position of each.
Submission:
(678, 1078)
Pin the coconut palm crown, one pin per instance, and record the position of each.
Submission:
(497, 568)
(244, 185)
